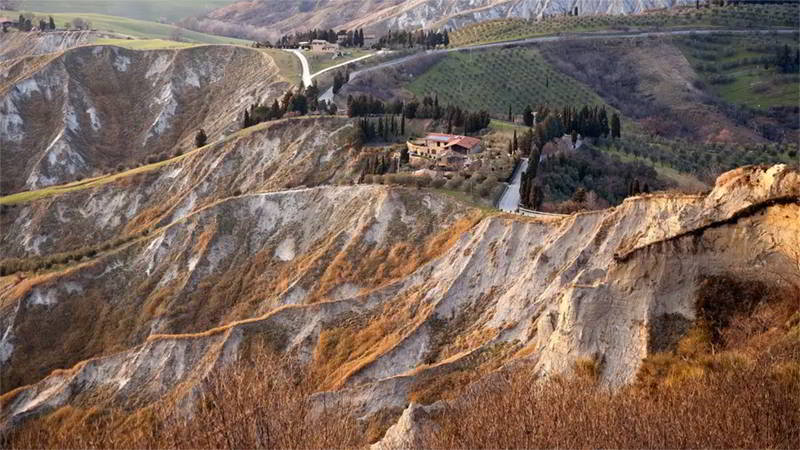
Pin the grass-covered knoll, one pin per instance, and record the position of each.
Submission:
(741, 69)
(750, 16)
(287, 63)
(136, 28)
(496, 79)
(144, 44)
(152, 10)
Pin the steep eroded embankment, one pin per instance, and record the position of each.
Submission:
(410, 297)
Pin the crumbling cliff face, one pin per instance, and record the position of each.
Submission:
(383, 291)
(94, 110)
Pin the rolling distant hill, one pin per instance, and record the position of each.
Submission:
(282, 17)
(153, 10)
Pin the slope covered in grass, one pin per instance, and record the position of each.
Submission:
(136, 28)
(741, 69)
(152, 10)
(498, 78)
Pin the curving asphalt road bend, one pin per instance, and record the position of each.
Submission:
(308, 77)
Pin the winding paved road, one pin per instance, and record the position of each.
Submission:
(308, 77)
(510, 199)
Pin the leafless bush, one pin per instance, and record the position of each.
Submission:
(264, 402)
(744, 409)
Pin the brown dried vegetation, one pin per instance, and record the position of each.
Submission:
(260, 402)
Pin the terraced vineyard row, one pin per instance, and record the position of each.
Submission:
(498, 78)
(741, 69)
(749, 16)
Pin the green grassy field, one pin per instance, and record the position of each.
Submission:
(319, 62)
(136, 28)
(151, 10)
(496, 79)
(733, 67)
(751, 16)
(145, 44)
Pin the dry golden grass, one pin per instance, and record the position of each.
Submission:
(732, 381)
(741, 409)
(263, 402)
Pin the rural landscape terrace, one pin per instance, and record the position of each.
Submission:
(409, 224)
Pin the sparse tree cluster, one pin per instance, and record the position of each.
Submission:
(588, 121)
(340, 79)
(381, 128)
(786, 62)
(457, 119)
(352, 38)
(292, 104)
(418, 38)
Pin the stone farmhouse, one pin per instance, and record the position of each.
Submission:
(435, 145)
(322, 46)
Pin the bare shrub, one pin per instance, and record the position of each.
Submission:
(261, 402)
(748, 408)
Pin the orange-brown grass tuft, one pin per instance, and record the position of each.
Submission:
(263, 402)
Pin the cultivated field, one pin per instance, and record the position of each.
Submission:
(741, 70)
(751, 16)
(496, 79)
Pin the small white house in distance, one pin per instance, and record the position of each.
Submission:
(321, 46)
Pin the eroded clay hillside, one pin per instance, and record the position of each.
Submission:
(279, 17)
(385, 293)
(98, 109)
(271, 156)
(17, 45)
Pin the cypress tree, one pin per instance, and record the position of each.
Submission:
(52, 23)
(403, 125)
(200, 138)
(246, 122)
(515, 142)
(616, 126)
(527, 116)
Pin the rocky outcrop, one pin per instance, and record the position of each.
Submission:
(410, 290)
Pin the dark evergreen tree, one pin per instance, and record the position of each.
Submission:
(52, 23)
(616, 126)
(527, 116)
(514, 142)
(200, 138)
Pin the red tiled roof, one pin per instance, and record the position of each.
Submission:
(467, 142)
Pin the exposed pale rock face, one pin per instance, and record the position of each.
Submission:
(596, 285)
(160, 99)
